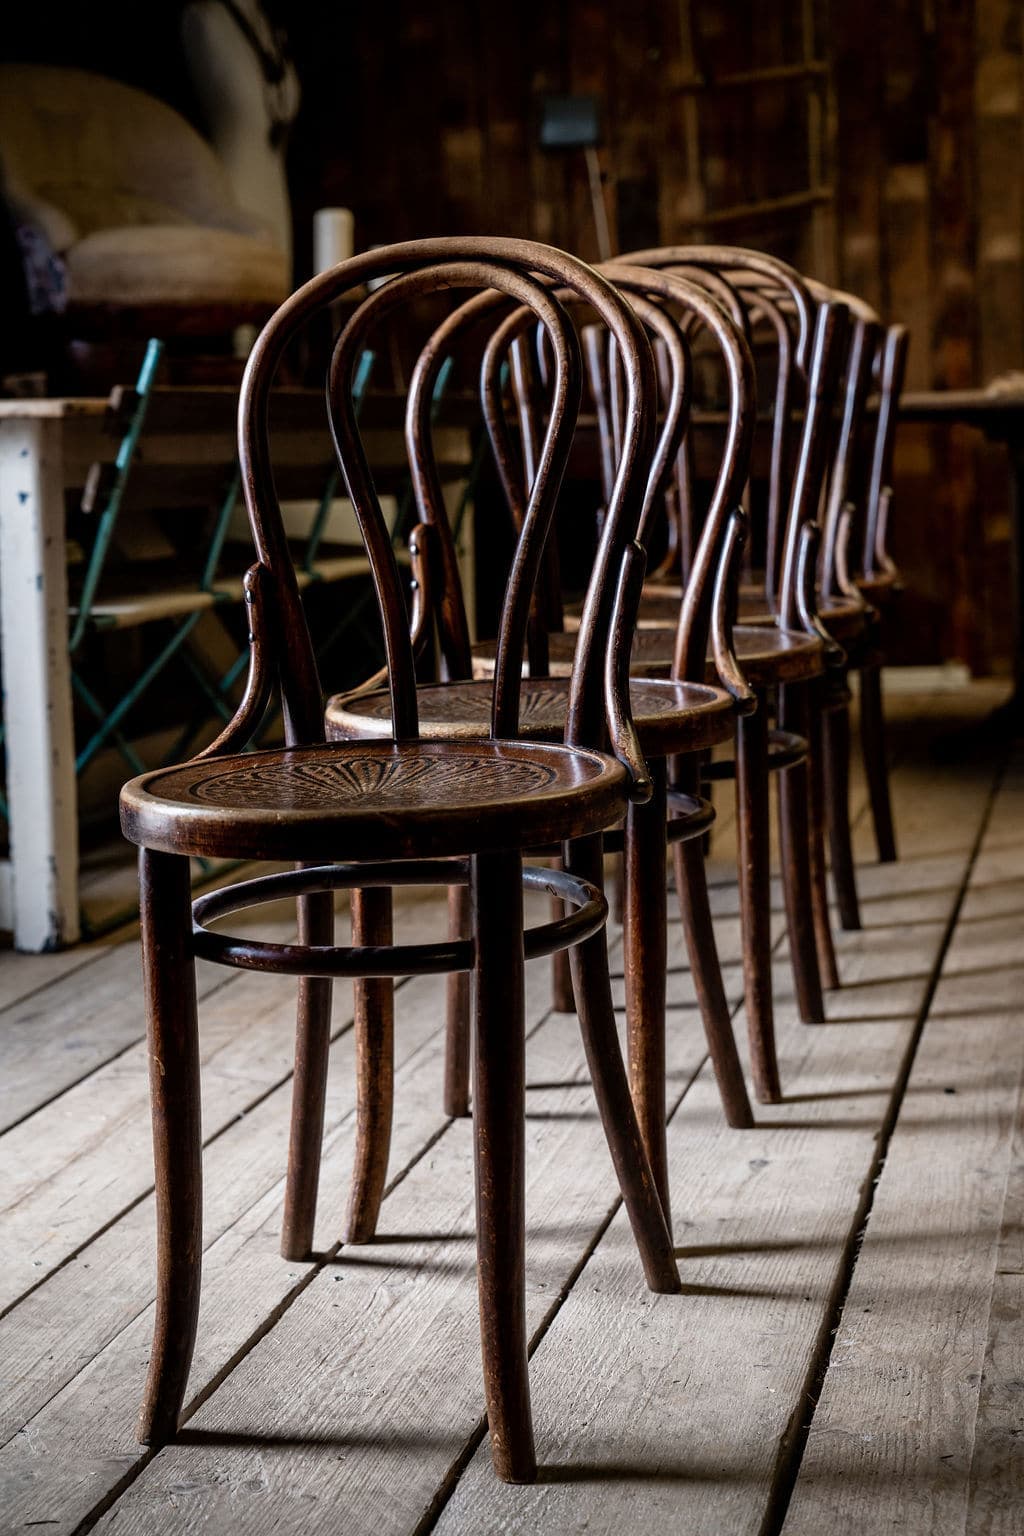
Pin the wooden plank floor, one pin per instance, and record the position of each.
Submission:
(846, 1356)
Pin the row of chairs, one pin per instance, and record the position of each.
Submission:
(581, 728)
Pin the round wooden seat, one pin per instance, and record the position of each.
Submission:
(766, 656)
(669, 717)
(880, 589)
(375, 800)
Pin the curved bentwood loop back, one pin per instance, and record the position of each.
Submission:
(820, 331)
(699, 305)
(413, 269)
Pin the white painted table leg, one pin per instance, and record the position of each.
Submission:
(41, 786)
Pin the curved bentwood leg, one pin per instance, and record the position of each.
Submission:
(375, 1067)
(645, 962)
(458, 1005)
(592, 984)
(872, 740)
(705, 968)
(795, 840)
(499, 1129)
(309, 1085)
(755, 897)
(821, 786)
(169, 977)
(835, 770)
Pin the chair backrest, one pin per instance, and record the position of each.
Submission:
(669, 306)
(521, 271)
(765, 285)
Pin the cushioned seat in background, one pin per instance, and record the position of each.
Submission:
(136, 203)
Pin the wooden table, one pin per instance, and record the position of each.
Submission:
(998, 411)
(46, 448)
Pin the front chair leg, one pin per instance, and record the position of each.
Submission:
(168, 968)
(836, 771)
(594, 1005)
(499, 1130)
(309, 1085)
(872, 739)
(374, 1026)
(645, 962)
(755, 898)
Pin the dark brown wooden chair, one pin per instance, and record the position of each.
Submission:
(404, 809)
(783, 657)
(676, 720)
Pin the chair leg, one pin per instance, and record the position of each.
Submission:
(645, 952)
(755, 898)
(375, 1067)
(458, 1006)
(309, 1085)
(499, 1113)
(828, 969)
(592, 985)
(872, 738)
(562, 998)
(692, 891)
(835, 771)
(169, 977)
(794, 837)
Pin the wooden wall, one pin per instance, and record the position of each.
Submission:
(878, 143)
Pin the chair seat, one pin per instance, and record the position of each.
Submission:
(880, 589)
(670, 717)
(374, 800)
(843, 617)
(766, 656)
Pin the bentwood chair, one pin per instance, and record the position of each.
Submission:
(782, 660)
(676, 720)
(400, 809)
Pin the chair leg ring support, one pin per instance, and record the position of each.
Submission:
(590, 911)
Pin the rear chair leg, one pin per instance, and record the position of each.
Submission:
(692, 891)
(375, 1068)
(872, 738)
(169, 977)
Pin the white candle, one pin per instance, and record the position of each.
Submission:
(332, 237)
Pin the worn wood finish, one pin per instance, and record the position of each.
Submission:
(276, 1438)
